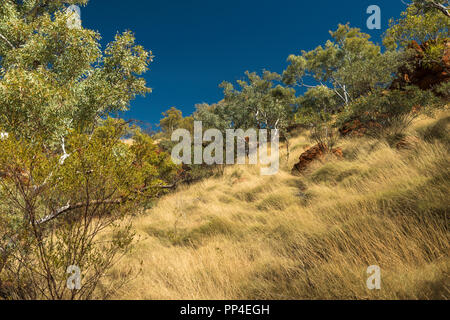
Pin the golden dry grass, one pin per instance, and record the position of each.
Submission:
(245, 236)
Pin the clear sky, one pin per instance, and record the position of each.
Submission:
(200, 43)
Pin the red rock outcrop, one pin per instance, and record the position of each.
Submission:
(312, 154)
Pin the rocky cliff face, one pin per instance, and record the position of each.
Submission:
(315, 153)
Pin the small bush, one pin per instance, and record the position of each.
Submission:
(78, 207)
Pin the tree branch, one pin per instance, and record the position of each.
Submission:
(440, 7)
(431, 4)
(79, 205)
(7, 41)
(68, 208)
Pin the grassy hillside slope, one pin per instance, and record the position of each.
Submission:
(244, 236)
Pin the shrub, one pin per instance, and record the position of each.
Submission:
(390, 113)
(72, 210)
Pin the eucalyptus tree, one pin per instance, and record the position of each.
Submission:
(57, 216)
(214, 116)
(68, 184)
(419, 26)
(173, 120)
(324, 65)
(259, 102)
(54, 77)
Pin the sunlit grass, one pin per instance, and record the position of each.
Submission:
(245, 236)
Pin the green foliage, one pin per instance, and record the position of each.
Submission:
(316, 111)
(422, 24)
(349, 77)
(443, 90)
(216, 116)
(426, 6)
(431, 25)
(317, 105)
(258, 103)
(67, 182)
(365, 76)
(392, 111)
(54, 78)
(333, 65)
(61, 211)
(173, 120)
(348, 68)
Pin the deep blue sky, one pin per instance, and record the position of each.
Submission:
(200, 43)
